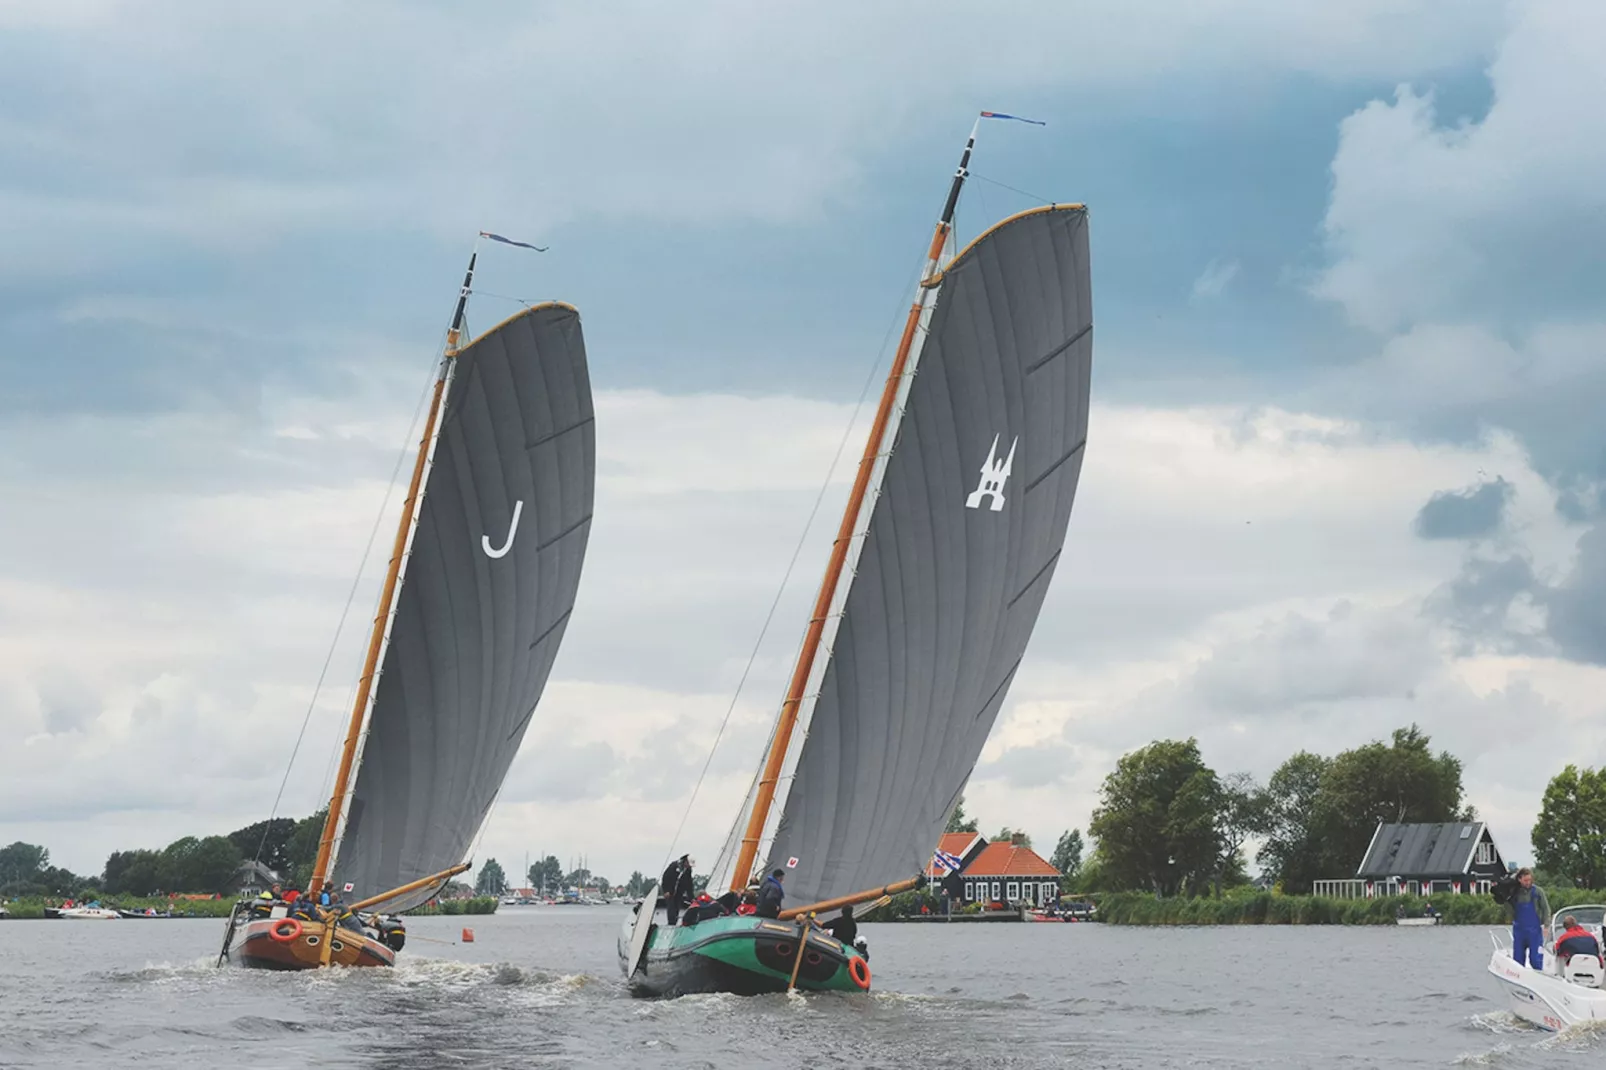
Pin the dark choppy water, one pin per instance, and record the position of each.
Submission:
(540, 988)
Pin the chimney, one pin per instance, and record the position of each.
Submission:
(1016, 838)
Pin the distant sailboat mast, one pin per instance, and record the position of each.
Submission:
(883, 431)
(349, 754)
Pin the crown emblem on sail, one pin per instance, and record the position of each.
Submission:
(994, 473)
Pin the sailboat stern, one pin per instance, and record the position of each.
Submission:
(747, 956)
(295, 944)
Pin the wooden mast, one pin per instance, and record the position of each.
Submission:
(787, 720)
(387, 597)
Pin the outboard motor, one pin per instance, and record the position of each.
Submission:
(862, 948)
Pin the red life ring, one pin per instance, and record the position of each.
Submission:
(285, 930)
(859, 970)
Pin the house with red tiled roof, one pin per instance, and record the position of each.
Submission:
(961, 845)
(1011, 873)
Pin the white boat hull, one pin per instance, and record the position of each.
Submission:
(89, 914)
(1544, 998)
(1416, 921)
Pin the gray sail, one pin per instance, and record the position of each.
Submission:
(489, 585)
(955, 563)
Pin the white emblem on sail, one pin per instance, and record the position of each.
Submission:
(485, 540)
(993, 475)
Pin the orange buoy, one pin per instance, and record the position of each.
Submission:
(468, 936)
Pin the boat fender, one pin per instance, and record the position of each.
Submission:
(859, 970)
(285, 930)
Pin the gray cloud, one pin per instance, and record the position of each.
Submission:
(1465, 514)
(1477, 603)
(1578, 604)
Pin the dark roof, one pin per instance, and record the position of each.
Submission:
(1431, 849)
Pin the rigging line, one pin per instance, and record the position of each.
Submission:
(351, 596)
(769, 617)
(1012, 189)
(505, 297)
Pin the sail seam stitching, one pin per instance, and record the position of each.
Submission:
(1008, 676)
(1074, 450)
(555, 626)
(1037, 576)
(1059, 349)
(570, 530)
(544, 439)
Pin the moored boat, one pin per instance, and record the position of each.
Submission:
(1559, 995)
(930, 595)
(483, 575)
(88, 914)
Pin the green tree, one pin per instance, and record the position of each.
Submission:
(958, 822)
(1243, 810)
(491, 880)
(301, 851)
(1400, 781)
(1067, 858)
(214, 865)
(1293, 853)
(637, 885)
(268, 842)
(135, 872)
(21, 862)
(546, 874)
(1156, 820)
(1569, 839)
(1006, 834)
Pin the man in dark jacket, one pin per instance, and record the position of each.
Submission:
(844, 928)
(771, 894)
(669, 888)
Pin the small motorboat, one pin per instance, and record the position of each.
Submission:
(88, 914)
(1420, 919)
(1559, 995)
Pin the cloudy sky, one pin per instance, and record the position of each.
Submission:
(1347, 466)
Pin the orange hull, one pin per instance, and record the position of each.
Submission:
(259, 948)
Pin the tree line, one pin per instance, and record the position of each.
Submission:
(548, 874)
(203, 865)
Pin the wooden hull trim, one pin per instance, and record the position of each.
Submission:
(259, 950)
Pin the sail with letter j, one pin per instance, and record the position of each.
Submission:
(482, 581)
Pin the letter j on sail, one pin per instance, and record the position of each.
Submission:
(512, 529)
(994, 473)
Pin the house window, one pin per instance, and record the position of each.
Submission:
(1485, 855)
(1013, 891)
(995, 889)
(970, 891)
(1048, 893)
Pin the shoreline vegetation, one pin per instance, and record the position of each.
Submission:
(33, 907)
(1271, 908)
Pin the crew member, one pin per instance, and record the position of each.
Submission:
(669, 886)
(1576, 940)
(771, 894)
(843, 927)
(1529, 910)
(684, 890)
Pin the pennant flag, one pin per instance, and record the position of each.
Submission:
(1017, 118)
(510, 241)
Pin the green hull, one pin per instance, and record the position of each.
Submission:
(744, 955)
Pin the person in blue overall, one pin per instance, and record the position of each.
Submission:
(1530, 912)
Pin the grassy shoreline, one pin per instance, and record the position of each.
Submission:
(33, 907)
(1268, 908)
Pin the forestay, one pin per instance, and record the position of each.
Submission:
(960, 547)
(489, 585)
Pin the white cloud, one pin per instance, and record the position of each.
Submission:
(1214, 279)
(159, 649)
(227, 129)
(1431, 217)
